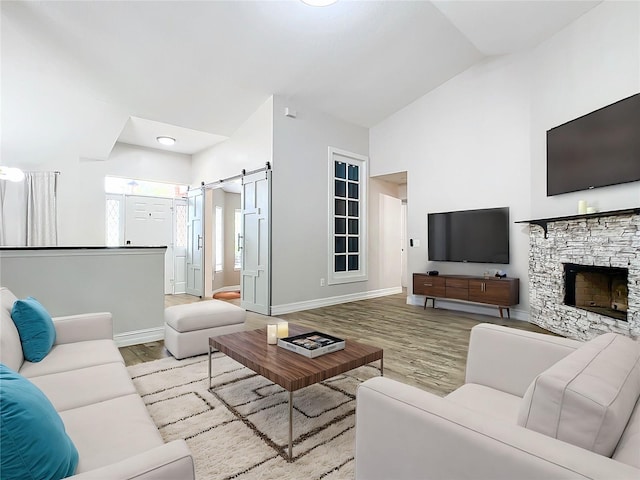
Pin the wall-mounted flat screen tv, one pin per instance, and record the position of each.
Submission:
(598, 149)
(478, 236)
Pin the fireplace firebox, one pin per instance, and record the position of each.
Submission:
(602, 290)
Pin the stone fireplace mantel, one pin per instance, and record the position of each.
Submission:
(603, 239)
(544, 222)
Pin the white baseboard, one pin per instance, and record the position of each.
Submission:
(325, 302)
(463, 306)
(139, 336)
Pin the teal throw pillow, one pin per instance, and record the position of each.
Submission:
(34, 442)
(35, 326)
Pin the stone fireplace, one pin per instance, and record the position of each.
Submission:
(584, 274)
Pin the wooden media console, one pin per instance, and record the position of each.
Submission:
(501, 292)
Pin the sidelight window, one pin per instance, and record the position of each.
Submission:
(113, 216)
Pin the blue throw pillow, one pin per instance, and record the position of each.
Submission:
(35, 326)
(34, 442)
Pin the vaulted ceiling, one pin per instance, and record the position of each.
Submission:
(75, 72)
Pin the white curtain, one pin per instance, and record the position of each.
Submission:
(3, 192)
(13, 213)
(42, 219)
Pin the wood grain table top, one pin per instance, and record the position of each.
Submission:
(292, 371)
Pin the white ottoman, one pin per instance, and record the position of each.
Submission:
(187, 328)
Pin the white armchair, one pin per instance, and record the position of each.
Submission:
(403, 432)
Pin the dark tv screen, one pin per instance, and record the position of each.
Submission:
(478, 236)
(598, 149)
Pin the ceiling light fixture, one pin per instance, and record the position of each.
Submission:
(166, 140)
(319, 3)
(11, 174)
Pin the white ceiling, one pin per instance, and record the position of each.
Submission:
(145, 133)
(399, 178)
(79, 71)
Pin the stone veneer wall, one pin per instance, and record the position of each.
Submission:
(609, 241)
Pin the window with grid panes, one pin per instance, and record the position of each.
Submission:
(348, 188)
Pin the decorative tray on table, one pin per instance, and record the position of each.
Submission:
(312, 344)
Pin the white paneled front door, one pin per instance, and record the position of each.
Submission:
(149, 222)
(255, 276)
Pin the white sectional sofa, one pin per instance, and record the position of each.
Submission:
(85, 379)
(533, 406)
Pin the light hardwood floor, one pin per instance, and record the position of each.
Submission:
(425, 348)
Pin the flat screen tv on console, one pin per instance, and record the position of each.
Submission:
(478, 236)
(598, 149)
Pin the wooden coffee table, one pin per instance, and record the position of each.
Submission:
(291, 370)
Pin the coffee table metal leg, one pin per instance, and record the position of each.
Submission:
(290, 426)
(381, 367)
(209, 367)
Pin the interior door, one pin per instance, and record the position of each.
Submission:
(180, 245)
(195, 243)
(255, 275)
(390, 247)
(149, 221)
(403, 241)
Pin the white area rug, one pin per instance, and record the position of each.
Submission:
(239, 430)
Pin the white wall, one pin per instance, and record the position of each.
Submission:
(250, 147)
(464, 146)
(48, 90)
(127, 282)
(479, 140)
(81, 197)
(299, 200)
(592, 63)
(298, 151)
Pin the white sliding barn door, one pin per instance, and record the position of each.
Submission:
(195, 243)
(255, 276)
(149, 222)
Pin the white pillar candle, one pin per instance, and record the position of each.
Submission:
(272, 334)
(283, 329)
(591, 209)
(582, 207)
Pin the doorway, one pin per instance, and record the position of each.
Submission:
(391, 200)
(143, 212)
(235, 246)
(153, 221)
(226, 234)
